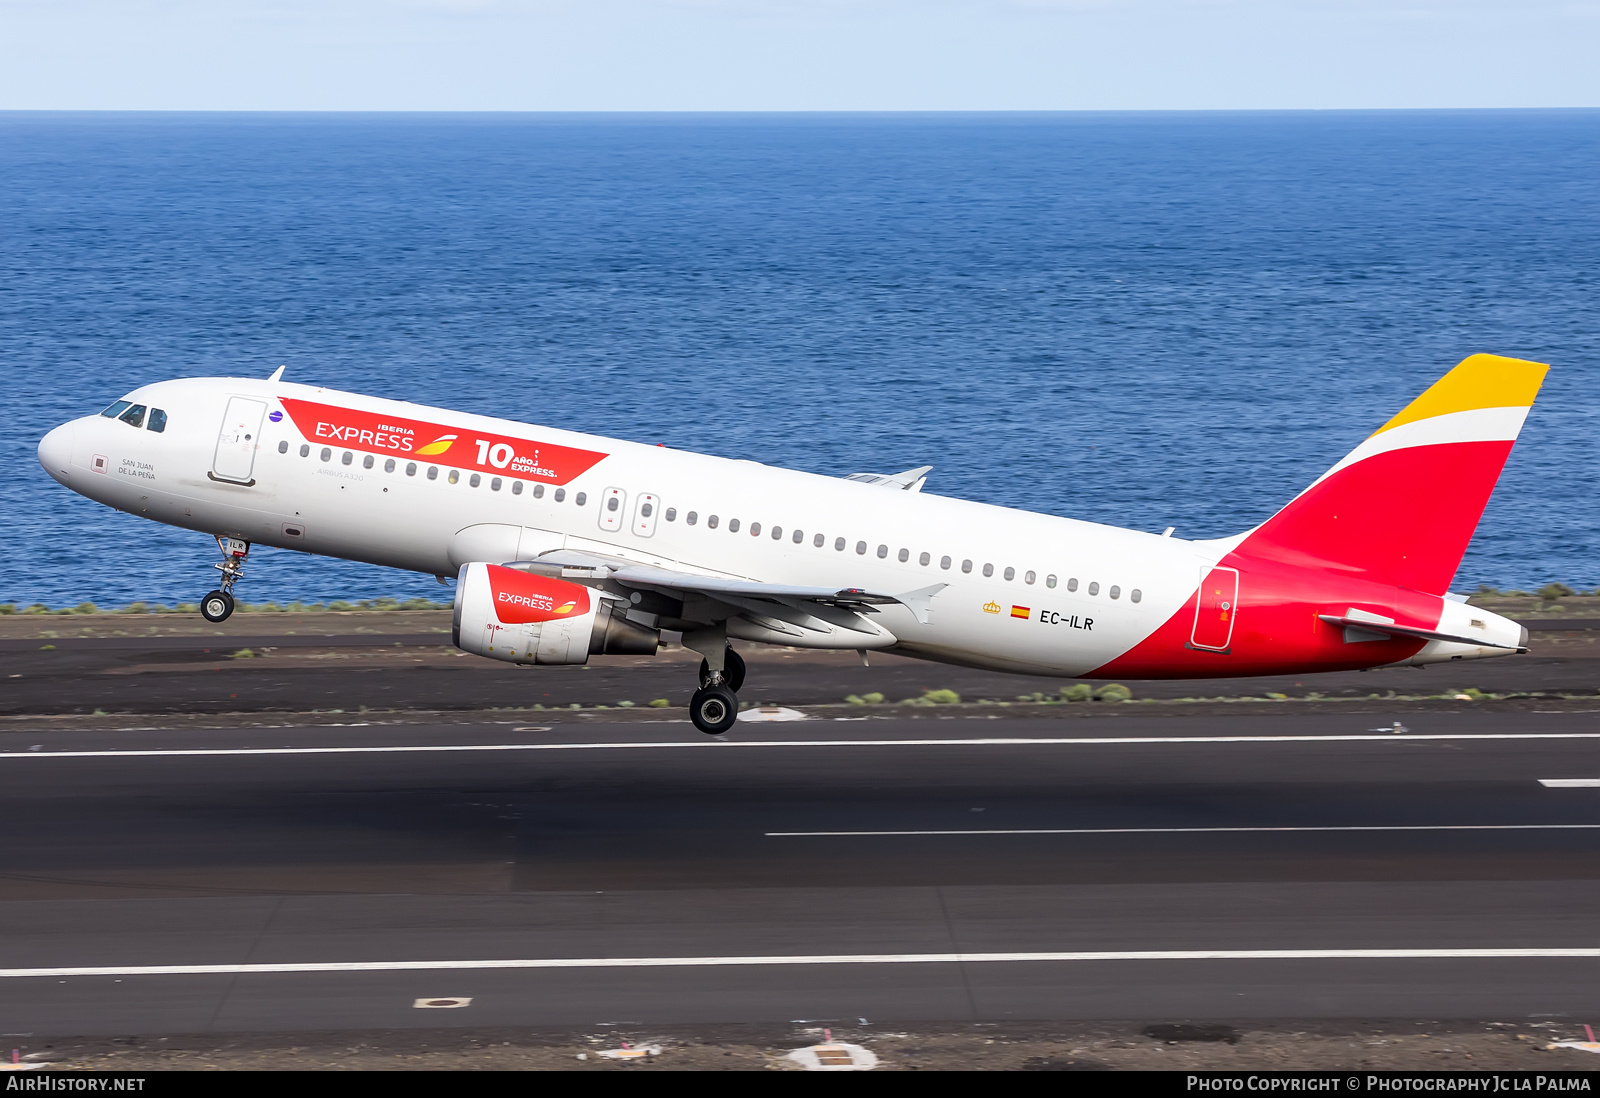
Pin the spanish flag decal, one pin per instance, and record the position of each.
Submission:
(437, 446)
(1020, 612)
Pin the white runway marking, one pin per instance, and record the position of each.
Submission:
(1580, 953)
(1570, 783)
(725, 745)
(1187, 830)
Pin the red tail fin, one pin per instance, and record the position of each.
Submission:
(1403, 505)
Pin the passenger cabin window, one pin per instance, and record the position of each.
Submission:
(347, 458)
(733, 526)
(116, 408)
(944, 562)
(692, 517)
(838, 545)
(1135, 594)
(366, 462)
(1115, 592)
(924, 559)
(388, 466)
(327, 454)
(1072, 584)
(494, 485)
(454, 477)
(818, 541)
(516, 487)
(1011, 573)
(305, 450)
(411, 468)
(671, 514)
(1094, 587)
(861, 548)
(711, 523)
(283, 446)
(1028, 578)
(755, 529)
(612, 504)
(966, 566)
(1049, 581)
(433, 472)
(158, 420)
(561, 494)
(905, 555)
(538, 491)
(134, 416)
(798, 537)
(580, 499)
(988, 570)
(475, 481)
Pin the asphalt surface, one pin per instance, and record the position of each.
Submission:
(681, 880)
(246, 671)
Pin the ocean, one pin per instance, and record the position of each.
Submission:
(1148, 320)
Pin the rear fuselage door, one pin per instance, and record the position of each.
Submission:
(235, 458)
(1216, 609)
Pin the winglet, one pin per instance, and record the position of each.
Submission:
(920, 601)
(277, 375)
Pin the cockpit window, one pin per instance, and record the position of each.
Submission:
(158, 420)
(134, 416)
(117, 409)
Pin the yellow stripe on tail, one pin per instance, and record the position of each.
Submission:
(1482, 381)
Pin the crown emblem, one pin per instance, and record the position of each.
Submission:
(991, 608)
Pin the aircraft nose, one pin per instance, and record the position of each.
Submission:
(55, 452)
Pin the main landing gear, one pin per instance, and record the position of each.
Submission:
(217, 606)
(715, 706)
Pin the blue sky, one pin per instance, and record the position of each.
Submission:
(796, 54)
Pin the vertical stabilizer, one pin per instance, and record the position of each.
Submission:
(1402, 506)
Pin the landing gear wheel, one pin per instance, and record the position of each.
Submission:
(713, 709)
(732, 671)
(216, 606)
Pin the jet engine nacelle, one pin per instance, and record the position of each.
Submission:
(521, 617)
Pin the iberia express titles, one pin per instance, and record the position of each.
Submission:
(455, 447)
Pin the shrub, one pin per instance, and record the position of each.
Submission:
(1077, 692)
(873, 698)
(660, 703)
(8, 608)
(942, 697)
(85, 608)
(1113, 692)
(36, 608)
(855, 699)
(1550, 592)
(244, 654)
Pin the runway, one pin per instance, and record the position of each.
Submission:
(581, 871)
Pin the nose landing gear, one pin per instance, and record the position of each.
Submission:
(217, 606)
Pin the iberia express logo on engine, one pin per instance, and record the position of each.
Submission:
(520, 597)
(395, 436)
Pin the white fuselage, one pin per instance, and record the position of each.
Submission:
(1026, 591)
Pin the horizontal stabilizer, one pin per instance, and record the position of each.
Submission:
(1367, 625)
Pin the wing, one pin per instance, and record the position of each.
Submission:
(911, 480)
(812, 617)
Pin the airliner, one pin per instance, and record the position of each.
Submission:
(564, 545)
